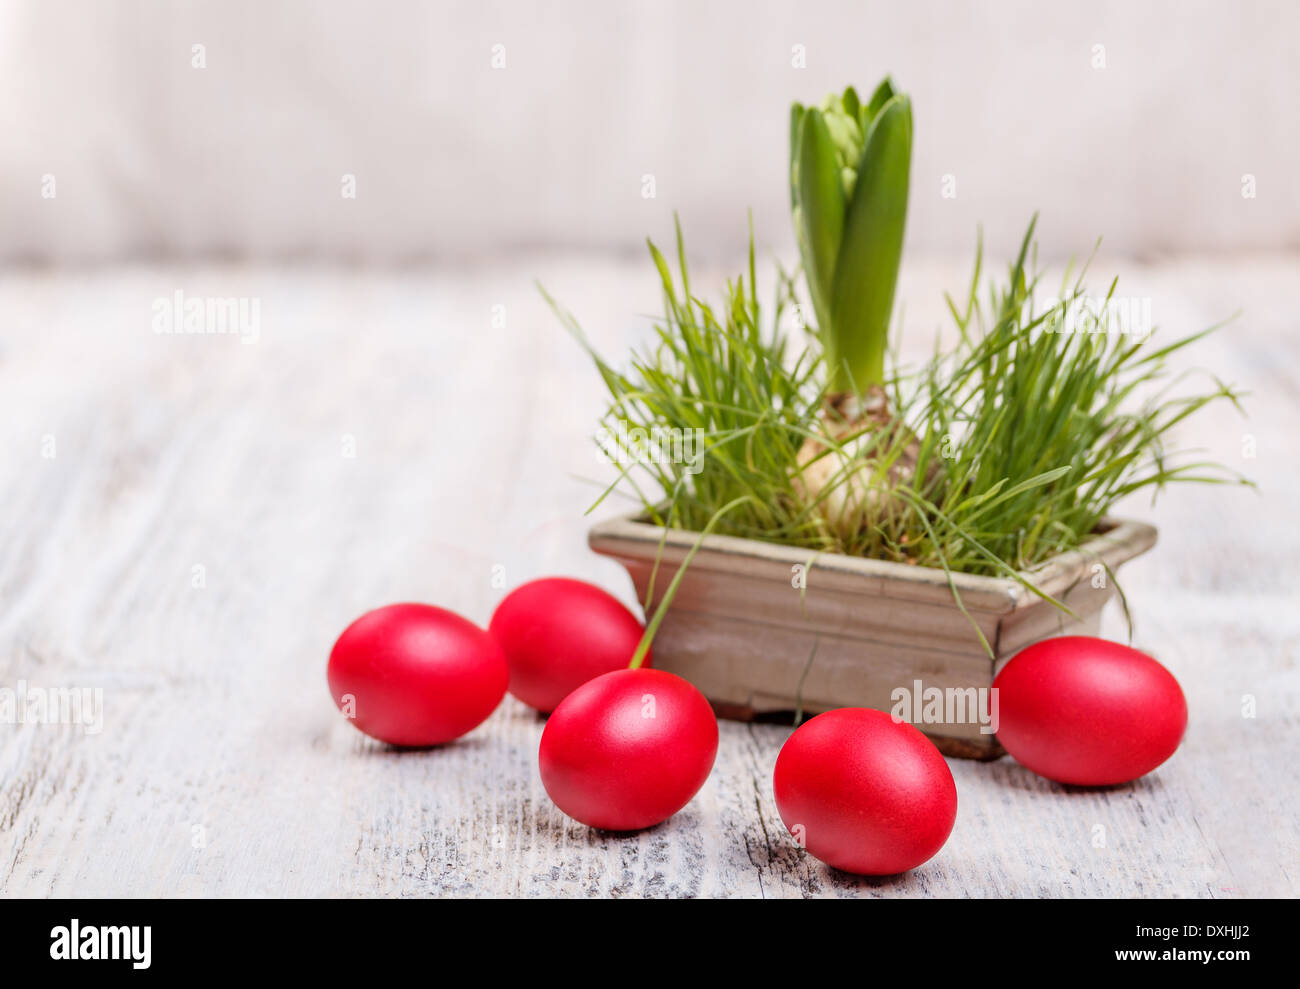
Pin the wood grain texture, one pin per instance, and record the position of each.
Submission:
(222, 768)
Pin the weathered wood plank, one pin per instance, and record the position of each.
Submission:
(222, 768)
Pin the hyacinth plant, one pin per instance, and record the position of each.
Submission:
(849, 170)
(1001, 451)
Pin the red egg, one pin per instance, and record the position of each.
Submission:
(1087, 711)
(559, 633)
(414, 675)
(628, 749)
(864, 793)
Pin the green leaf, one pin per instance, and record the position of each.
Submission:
(852, 105)
(819, 216)
(870, 250)
(883, 94)
(796, 120)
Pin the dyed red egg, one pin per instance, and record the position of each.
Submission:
(559, 633)
(415, 675)
(1087, 711)
(628, 749)
(864, 793)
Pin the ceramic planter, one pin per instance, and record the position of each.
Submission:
(741, 630)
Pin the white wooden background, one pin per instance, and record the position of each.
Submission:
(223, 769)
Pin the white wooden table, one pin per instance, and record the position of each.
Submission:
(222, 769)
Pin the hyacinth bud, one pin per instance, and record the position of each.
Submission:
(849, 165)
(847, 136)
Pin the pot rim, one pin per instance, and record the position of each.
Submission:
(1116, 541)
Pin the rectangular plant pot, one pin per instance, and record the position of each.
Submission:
(742, 632)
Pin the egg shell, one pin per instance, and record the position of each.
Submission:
(1087, 711)
(418, 675)
(865, 793)
(558, 633)
(628, 749)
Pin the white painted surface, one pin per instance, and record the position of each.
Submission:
(1149, 113)
(173, 452)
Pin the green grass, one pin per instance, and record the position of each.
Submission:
(1054, 427)
(719, 371)
(1025, 437)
